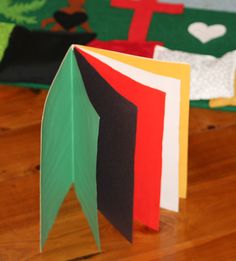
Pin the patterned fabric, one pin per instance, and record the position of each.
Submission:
(210, 77)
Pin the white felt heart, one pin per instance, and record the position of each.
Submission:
(205, 33)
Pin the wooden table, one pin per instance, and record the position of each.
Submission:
(205, 228)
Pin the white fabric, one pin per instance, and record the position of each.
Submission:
(217, 5)
(205, 33)
(210, 77)
(170, 149)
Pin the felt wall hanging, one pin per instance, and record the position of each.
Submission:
(143, 12)
(53, 15)
(69, 17)
(90, 121)
(160, 29)
(19, 63)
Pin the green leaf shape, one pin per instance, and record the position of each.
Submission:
(69, 137)
(5, 29)
(18, 12)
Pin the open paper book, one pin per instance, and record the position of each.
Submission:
(116, 127)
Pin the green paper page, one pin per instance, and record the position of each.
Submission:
(69, 139)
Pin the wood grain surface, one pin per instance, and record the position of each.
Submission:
(205, 228)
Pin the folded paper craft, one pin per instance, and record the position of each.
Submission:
(113, 126)
(149, 135)
(167, 69)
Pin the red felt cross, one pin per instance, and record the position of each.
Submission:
(144, 10)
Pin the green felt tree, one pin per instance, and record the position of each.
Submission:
(19, 12)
